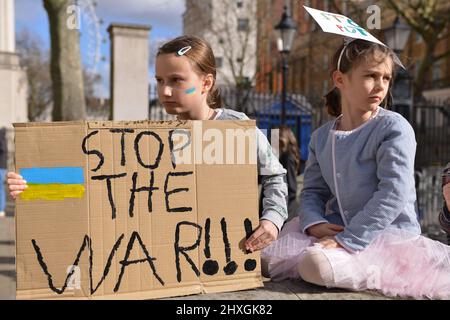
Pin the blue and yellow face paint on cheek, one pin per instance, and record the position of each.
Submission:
(190, 90)
(55, 184)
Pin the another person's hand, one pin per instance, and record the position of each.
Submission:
(446, 192)
(329, 243)
(324, 230)
(262, 237)
(16, 184)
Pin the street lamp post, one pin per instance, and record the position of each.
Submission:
(396, 38)
(397, 35)
(286, 29)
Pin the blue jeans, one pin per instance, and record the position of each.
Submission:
(2, 190)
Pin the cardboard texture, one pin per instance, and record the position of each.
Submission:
(111, 212)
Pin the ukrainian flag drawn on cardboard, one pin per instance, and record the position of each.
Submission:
(53, 183)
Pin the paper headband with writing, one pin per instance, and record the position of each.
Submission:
(346, 27)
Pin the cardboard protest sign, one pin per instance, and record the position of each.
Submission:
(135, 209)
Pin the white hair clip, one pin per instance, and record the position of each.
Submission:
(183, 51)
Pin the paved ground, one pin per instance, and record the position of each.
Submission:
(7, 259)
(288, 290)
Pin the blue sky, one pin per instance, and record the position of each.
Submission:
(164, 17)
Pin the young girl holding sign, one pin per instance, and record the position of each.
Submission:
(186, 76)
(357, 226)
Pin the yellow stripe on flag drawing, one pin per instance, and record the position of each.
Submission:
(52, 191)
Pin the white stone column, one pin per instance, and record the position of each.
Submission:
(13, 81)
(7, 29)
(129, 71)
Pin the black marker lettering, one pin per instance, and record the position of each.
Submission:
(210, 267)
(109, 187)
(87, 242)
(249, 264)
(172, 150)
(168, 193)
(125, 262)
(160, 151)
(150, 190)
(96, 152)
(44, 267)
(108, 263)
(231, 266)
(183, 250)
(122, 143)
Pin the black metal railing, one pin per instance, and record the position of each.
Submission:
(437, 84)
(248, 101)
(431, 123)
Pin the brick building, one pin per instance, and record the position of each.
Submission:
(309, 60)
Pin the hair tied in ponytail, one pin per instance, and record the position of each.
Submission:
(333, 102)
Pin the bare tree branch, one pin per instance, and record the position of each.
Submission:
(35, 59)
(405, 15)
(441, 56)
(429, 18)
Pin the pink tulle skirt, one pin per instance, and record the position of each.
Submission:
(396, 263)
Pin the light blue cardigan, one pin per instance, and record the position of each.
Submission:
(362, 179)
